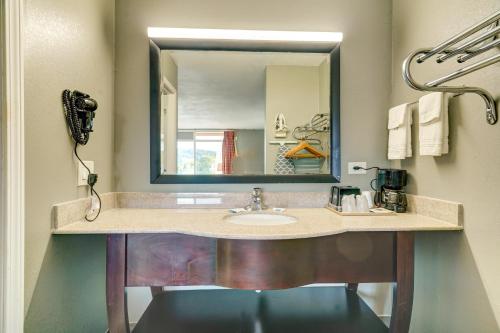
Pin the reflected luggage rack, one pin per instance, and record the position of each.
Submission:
(483, 38)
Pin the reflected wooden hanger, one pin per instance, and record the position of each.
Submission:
(314, 153)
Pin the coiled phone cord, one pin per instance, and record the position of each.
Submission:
(74, 124)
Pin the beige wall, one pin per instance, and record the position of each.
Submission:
(294, 91)
(457, 286)
(67, 45)
(365, 67)
(324, 86)
(250, 146)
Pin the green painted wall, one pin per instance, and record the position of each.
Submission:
(67, 44)
(456, 282)
(70, 292)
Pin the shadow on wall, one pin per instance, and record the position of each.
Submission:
(441, 254)
(70, 292)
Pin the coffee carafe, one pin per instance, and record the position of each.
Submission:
(390, 192)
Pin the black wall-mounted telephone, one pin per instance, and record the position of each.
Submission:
(79, 111)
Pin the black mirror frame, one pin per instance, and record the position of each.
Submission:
(156, 177)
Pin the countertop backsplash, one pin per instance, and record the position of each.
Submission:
(71, 211)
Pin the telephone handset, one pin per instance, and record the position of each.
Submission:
(79, 111)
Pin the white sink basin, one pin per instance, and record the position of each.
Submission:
(260, 219)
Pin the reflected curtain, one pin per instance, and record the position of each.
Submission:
(228, 152)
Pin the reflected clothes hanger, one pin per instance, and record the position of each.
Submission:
(314, 153)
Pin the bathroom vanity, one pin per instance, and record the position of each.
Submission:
(158, 247)
(185, 260)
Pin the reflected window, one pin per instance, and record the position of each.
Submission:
(199, 152)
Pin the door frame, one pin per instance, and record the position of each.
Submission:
(169, 112)
(12, 169)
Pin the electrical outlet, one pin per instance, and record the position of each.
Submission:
(351, 165)
(83, 173)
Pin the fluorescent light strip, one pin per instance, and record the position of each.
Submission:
(251, 35)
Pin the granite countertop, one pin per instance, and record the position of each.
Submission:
(312, 222)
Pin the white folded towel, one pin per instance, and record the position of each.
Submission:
(399, 126)
(433, 124)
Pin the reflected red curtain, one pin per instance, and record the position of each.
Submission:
(228, 152)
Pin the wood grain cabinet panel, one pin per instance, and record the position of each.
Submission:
(170, 260)
(181, 260)
(279, 264)
(175, 259)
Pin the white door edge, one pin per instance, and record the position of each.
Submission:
(12, 217)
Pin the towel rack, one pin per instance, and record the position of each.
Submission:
(452, 96)
(486, 41)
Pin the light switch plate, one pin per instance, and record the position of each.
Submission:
(351, 165)
(83, 174)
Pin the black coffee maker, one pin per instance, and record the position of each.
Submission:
(390, 192)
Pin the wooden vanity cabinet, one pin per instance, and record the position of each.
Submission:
(163, 259)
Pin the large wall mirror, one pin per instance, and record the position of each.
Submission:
(231, 110)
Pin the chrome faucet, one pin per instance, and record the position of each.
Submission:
(257, 201)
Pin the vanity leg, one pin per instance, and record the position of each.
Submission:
(156, 291)
(403, 288)
(116, 300)
(352, 287)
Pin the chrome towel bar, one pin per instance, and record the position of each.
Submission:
(480, 44)
(452, 96)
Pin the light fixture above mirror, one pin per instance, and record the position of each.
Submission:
(255, 35)
(312, 41)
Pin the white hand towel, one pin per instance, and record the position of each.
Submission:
(433, 124)
(399, 126)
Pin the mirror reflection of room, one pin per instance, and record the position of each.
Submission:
(245, 113)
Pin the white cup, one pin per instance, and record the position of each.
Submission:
(361, 204)
(348, 203)
(369, 198)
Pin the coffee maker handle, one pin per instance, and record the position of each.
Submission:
(377, 200)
